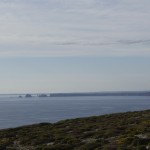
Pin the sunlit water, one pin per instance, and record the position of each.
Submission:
(22, 111)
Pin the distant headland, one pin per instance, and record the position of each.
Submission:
(138, 93)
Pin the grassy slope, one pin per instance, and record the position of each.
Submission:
(122, 131)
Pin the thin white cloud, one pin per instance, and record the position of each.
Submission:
(74, 28)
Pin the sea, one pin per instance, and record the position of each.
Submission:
(15, 111)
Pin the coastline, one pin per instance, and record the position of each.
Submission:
(118, 130)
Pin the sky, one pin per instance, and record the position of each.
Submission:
(74, 45)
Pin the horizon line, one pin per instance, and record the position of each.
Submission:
(32, 93)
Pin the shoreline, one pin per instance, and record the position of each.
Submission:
(63, 120)
(128, 130)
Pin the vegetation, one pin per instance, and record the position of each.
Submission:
(122, 131)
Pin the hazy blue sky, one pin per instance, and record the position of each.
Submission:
(74, 45)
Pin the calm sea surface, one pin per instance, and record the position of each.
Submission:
(23, 111)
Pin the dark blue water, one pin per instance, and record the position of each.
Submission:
(22, 111)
